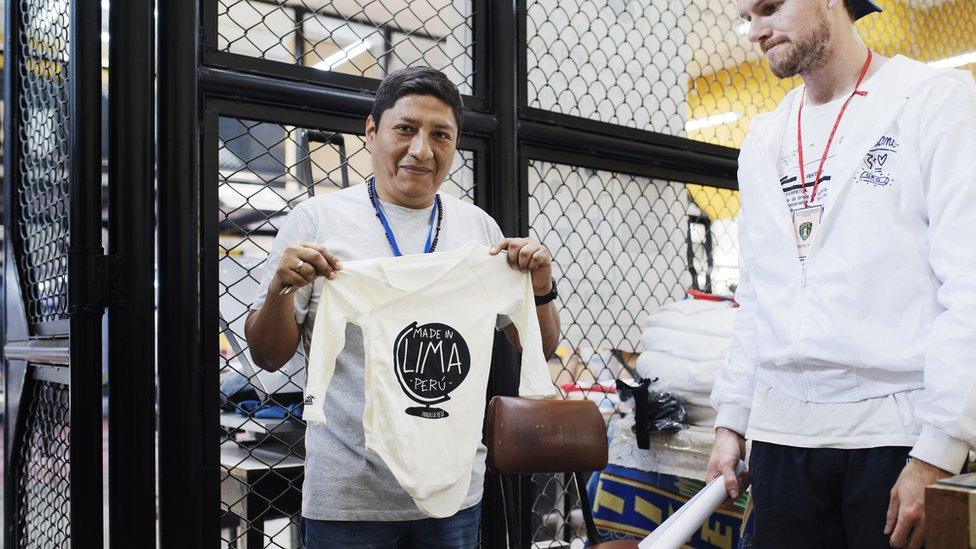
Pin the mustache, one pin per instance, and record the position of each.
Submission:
(770, 44)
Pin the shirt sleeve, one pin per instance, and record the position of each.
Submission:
(328, 339)
(947, 138)
(494, 235)
(517, 302)
(299, 226)
(734, 386)
(492, 230)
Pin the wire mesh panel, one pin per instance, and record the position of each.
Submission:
(687, 68)
(669, 66)
(42, 192)
(737, 84)
(43, 486)
(938, 32)
(623, 246)
(622, 62)
(265, 170)
(359, 37)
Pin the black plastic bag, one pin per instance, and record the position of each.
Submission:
(654, 411)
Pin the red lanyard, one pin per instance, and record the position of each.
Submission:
(830, 140)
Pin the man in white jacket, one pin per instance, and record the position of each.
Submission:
(852, 362)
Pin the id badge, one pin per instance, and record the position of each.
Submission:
(805, 223)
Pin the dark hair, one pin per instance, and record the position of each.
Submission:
(849, 6)
(416, 80)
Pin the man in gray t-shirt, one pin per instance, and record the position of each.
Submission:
(350, 498)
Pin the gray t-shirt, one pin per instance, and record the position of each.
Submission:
(342, 480)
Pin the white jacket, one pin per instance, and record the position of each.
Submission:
(886, 300)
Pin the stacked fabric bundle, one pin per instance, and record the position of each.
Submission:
(685, 346)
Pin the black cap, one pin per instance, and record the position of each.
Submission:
(863, 7)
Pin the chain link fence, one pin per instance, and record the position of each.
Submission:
(43, 486)
(686, 67)
(357, 37)
(265, 170)
(616, 62)
(677, 67)
(42, 193)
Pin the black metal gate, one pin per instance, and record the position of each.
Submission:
(54, 267)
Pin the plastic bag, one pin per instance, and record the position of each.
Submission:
(654, 411)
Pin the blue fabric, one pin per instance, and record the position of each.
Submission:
(254, 408)
(456, 532)
(233, 386)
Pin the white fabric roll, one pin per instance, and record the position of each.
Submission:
(679, 375)
(695, 316)
(689, 345)
(695, 399)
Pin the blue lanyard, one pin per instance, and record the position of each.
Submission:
(389, 230)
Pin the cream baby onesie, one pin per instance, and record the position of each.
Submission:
(428, 325)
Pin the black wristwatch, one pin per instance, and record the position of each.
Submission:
(543, 299)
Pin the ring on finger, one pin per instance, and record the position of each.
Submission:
(299, 265)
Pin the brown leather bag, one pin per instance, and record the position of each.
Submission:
(545, 436)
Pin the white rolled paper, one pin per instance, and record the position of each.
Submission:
(683, 524)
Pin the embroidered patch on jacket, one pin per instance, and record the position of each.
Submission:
(876, 167)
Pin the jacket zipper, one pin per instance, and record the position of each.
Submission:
(801, 311)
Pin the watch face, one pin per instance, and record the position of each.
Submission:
(430, 360)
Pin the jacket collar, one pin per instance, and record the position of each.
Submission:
(865, 121)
